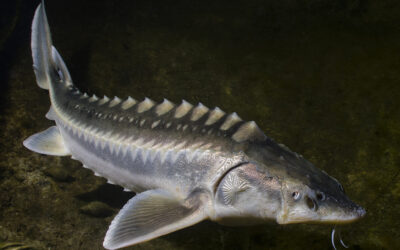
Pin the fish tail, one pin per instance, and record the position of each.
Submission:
(50, 71)
(48, 65)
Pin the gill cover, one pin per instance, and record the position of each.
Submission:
(247, 194)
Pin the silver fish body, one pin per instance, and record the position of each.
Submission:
(186, 163)
(145, 150)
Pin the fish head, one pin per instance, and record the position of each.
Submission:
(316, 199)
(308, 194)
(277, 184)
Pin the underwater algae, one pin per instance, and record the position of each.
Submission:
(329, 92)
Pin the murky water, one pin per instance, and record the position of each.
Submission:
(323, 79)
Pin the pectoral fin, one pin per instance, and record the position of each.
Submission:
(149, 215)
(48, 142)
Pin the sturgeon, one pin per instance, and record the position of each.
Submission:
(185, 163)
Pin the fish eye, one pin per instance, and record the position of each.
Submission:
(296, 195)
(311, 204)
(320, 196)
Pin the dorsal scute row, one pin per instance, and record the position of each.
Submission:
(239, 130)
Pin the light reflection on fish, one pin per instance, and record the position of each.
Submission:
(186, 163)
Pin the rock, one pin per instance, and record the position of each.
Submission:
(97, 209)
(58, 173)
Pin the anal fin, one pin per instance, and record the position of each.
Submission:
(48, 142)
(149, 215)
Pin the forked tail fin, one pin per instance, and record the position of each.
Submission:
(47, 63)
(49, 69)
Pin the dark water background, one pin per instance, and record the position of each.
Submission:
(322, 77)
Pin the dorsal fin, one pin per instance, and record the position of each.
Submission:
(51, 115)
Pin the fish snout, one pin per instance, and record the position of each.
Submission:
(354, 214)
